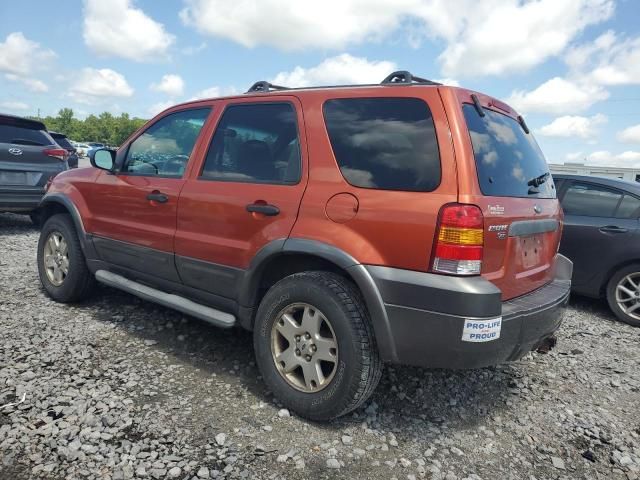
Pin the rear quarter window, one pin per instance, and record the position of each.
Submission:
(507, 159)
(384, 143)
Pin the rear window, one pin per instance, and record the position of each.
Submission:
(508, 160)
(63, 142)
(23, 136)
(384, 143)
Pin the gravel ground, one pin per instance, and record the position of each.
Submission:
(118, 388)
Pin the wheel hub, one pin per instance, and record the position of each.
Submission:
(628, 295)
(56, 258)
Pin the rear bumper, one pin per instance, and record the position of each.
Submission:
(427, 315)
(20, 198)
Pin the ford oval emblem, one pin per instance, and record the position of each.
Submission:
(537, 209)
(15, 151)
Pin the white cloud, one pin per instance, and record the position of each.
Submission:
(573, 126)
(558, 96)
(213, 92)
(630, 134)
(92, 84)
(13, 105)
(574, 156)
(193, 49)
(32, 84)
(170, 84)
(342, 69)
(482, 37)
(117, 28)
(447, 81)
(608, 60)
(156, 108)
(624, 159)
(21, 56)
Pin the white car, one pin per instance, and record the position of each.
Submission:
(82, 149)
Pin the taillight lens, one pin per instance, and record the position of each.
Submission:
(459, 240)
(59, 153)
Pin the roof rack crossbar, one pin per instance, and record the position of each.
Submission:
(406, 78)
(263, 86)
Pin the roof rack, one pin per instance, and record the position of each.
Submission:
(406, 78)
(263, 86)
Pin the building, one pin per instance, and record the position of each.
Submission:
(569, 168)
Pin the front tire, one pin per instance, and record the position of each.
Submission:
(61, 264)
(623, 294)
(315, 346)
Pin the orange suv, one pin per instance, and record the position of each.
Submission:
(406, 222)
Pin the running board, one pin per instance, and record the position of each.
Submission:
(208, 314)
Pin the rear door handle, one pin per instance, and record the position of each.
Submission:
(158, 197)
(263, 208)
(613, 229)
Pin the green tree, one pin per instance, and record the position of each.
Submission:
(103, 128)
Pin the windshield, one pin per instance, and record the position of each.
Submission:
(509, 162)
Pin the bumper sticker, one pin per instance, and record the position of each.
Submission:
(481, 330)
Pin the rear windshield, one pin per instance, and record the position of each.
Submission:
(509, 162)
(384, 143)
(23, 136)
(63, 142)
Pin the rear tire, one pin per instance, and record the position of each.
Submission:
(354, 367)
(61, 264)
(623, 294)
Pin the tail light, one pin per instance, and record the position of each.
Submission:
(459, 240)
(59, 153)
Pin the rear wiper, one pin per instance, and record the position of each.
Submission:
(535, 182)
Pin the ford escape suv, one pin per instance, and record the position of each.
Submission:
(406, 222)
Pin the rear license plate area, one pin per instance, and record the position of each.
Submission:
(13, 178)
(531, 251)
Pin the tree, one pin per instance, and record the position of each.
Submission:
(103, 128)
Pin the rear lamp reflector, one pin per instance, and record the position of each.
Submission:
(459, 240)
(59, 153)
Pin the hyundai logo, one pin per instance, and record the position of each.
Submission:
(15, 151)
(537, 209)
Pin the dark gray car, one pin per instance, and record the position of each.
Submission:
(602, 237)
(29, 157)
(62, 140)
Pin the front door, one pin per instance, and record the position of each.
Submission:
(245, 194)
(134, 210)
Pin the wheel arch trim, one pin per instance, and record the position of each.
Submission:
(357, 272)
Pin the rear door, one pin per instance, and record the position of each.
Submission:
(600, 227)
(134, 210)
(246, 192)
(518, 198)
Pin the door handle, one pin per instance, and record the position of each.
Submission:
(612, 229)
(263, 208)
(158, 197)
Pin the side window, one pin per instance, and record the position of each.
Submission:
(384, 143)
(164, 148)
(590, 200)
(629, 207)
(255, 143)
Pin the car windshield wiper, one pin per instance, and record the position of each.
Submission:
(535, 182)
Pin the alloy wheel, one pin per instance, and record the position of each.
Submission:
(56, 258)
(628, 295)
(304, 347)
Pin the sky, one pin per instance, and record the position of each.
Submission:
(571, 67)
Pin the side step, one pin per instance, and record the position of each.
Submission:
(208, 314)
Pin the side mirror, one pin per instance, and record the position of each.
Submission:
(103, 159)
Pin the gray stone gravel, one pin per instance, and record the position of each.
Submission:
(117, 388)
